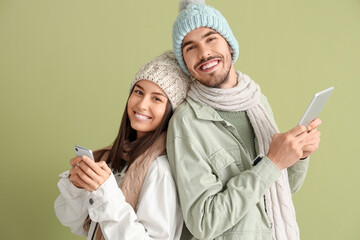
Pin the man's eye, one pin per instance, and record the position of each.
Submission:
(190, 48)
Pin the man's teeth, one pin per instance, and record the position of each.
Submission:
(209, 65)
(141, 116)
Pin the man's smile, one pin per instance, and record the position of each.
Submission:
(209, 66)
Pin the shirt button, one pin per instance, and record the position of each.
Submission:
(91, 201)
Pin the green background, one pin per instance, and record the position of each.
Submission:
(65, 69)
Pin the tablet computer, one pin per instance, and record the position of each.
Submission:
(315, 106)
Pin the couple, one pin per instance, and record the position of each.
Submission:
(230, 170)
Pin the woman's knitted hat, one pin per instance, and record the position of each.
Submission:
(165, 72)
(195, 14)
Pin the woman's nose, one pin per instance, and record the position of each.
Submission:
(144, 103)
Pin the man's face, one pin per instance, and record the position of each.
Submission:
(207, 56)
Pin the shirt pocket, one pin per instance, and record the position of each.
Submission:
(226, 163)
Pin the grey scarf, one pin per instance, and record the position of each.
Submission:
(245, 96)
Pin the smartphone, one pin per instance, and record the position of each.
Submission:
(81, 151)
(315, 106)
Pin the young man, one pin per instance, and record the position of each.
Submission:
(234, 172)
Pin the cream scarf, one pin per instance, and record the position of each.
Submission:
(135, 175)
(245, 96)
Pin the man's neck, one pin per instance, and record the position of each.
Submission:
(232, 81)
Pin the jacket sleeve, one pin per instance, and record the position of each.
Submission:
(156, 211)
(210, 208)
(70, 206)
(296, 172)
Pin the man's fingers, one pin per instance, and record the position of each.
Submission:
(313, 137)
(314, 124)
(310, 148)
(312, 141)
(297, 130)
(301, 138)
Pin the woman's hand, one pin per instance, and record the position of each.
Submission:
(88, 174)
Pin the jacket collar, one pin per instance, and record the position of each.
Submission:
(203, 112)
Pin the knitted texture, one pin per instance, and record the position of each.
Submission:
(184, 3)
(246, 97)
(197, 15)
(165, 72)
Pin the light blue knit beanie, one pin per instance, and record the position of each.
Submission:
(195, 14)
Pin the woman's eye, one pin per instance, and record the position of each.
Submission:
(157, 99)
(138, 92)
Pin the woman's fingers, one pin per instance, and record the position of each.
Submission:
(94, 174)
(92, 165)
(75, 160)
(105, 167)
(88, 174)
(76, 180)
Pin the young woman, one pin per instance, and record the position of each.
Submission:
(128, 192)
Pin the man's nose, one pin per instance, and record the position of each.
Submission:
(204, 52)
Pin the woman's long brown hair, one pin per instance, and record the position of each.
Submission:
(139, 146)
(128, 134)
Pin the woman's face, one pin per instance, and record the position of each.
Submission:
(146, 107)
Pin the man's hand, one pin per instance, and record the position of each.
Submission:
(313, 139)
(287, 148)
(88, 174)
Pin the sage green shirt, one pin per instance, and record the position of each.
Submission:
(221, 192)
(241, 122)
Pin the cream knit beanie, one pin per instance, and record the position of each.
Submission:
(165, 72)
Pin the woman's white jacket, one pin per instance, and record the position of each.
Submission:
(157, 214)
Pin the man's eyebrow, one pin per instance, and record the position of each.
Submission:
(186, 43)
(211, 32)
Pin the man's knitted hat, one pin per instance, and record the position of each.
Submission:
(195, 14)
(165, 72)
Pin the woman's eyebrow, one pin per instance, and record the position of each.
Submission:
(157, 93)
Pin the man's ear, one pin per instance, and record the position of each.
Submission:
(231, 51)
